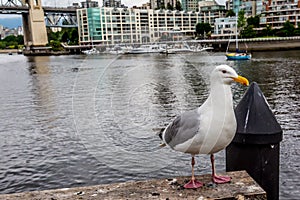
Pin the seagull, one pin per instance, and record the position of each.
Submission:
(208, 128)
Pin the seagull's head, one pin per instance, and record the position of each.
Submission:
(226, 75)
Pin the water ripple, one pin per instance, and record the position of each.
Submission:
(71, 121)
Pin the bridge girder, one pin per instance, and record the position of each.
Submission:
(60, 20)
(13, 3)
(54, 17)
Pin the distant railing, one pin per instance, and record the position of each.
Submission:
(250, 39)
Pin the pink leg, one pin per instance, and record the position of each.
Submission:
(215, 178)
(193, 183)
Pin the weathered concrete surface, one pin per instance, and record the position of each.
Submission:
(242, 187)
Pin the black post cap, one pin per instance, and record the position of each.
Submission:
(256, 123)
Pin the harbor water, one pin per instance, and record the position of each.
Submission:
(68, 121)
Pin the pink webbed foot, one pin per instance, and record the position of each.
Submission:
(221, 179)
(193, 184)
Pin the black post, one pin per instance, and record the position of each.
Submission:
(255, 147)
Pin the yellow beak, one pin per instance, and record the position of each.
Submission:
(241, 80)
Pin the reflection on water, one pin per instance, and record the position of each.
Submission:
(71, 120)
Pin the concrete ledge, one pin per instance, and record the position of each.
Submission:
(6, 51)
(242, 187)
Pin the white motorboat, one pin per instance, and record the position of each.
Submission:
(153, 48)
(119, 49)
(91, 51)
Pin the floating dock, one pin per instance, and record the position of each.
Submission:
(242, 187)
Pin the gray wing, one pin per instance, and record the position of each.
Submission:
(183, 128)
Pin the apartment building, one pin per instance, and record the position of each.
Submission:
(250, 7)
(277, 12)
(189, 5)
(89, 4)
(108, 25)
(210, 10)
(161, 21)
(112, 3)
(171, 2)
(4, 31)
(156, 4)
(225, 27)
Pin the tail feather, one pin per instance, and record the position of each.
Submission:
(161, 132)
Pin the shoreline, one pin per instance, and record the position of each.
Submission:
(259, 46)
(7, 51)
(251, 46)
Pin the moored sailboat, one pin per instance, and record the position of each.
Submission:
(238, 54)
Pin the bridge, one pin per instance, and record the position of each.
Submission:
(36, 18)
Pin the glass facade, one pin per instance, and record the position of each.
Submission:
(94, 23)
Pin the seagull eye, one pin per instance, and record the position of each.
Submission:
(224, 71)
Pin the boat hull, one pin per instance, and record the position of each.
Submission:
(238, 56)
(145, 49)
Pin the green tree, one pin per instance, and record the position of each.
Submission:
(169, 6)
(10, 38)
(12, 45)
(268, 31)
(253, 21)
(69, 35)
(53, 35)
(20, 39)
(288, 29)
(178, 6)
(3, 44)
(65, 36)
(230, 13)
(74, 36)
(12, 42)
(297, 32)
(241, 20)
(202, 28)
(162, 6)
(56, 45)
(248, 32)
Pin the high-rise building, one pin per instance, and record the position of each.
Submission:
(112, 3)
(156, 4)
(250, 7)
(89, 4)
(189, 5)
(211, 10)
(171, 2)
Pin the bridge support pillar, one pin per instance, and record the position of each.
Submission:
(35, 34)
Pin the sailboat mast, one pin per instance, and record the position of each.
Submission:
(236, 32)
